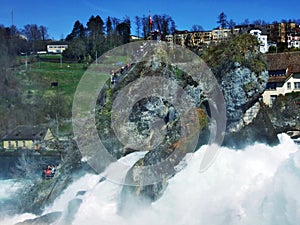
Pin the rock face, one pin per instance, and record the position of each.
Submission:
(34, 197)
(248, 121)
(241, 88)
(285, 113)
(154, 123)
(255, 126)
(42, 220)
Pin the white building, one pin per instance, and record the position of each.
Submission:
(284, 75)
(280, 84)
(263, 40)
(56, 48)
(293, 40)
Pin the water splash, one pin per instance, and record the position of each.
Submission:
(256, 185)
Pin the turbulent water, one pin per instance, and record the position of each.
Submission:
(257, 185)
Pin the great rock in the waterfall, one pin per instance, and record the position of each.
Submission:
(247, 117)
(247, 120)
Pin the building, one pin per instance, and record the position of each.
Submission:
(169, 38)
(135, 38)
(262, 39)
(284, 75)
(277, 32)
(222, 34)
(293, 40)
(179, 37)
(27, 137)
(56, 48)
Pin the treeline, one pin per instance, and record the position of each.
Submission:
(12, 110)
(98, 36)
(30, 39)
(18, 103)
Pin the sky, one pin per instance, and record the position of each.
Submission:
(59, 16)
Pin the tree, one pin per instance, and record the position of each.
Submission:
(33, 35)
(146, 26)
(164, 23)
(109, 28)
(222, 20)
(259, 22)
(44, 33)
(231, 24)
(138, 24)
(242, 49)
(26, 167)
(95, 36)
(246, 22)
(114, 36)
(123, 30)
(196, 28)
(77, 50)
(95, 28)
(109, 33)
(77, 32)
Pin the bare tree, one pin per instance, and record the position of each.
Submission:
(196, 28)
(138, 24)
(26, 167)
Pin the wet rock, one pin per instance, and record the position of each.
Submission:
(42, 220)
(73, 207)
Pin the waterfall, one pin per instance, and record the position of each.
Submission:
(255, 185)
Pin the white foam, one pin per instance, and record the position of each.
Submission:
(257, 185)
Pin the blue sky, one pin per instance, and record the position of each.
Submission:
(59, 16)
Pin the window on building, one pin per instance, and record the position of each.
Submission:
(297, 85)
(289, 86)
(272, 99)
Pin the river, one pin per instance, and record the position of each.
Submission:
(257, 185)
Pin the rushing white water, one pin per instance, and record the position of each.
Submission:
(257, 185)
(8, 187)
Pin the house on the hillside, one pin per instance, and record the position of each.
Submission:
(293, 40)
(284, 75)
(262, 39)
(56, 48)
(223, 34)
(179, 37)
(27, 137)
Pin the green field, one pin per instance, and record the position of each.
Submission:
(36, 79)
(51, 102)
(40, 75)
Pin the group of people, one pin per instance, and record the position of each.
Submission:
(114, 76)
(49, 172)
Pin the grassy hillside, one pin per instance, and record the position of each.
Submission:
(40, 75)
(40, 101)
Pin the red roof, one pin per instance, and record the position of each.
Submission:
(286, 60)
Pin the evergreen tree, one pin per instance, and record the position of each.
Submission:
(95, 28)
(109, 33)
(109, 28)
(222, 20)
(124, 31)
(77, 32)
